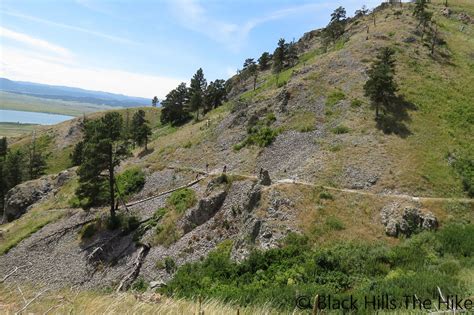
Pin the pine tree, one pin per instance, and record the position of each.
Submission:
(264, 61)
(292, 54)
(3, 153)
(196, 91)
(154, 101)
(422, 14)
(174, 106)
(3, 147)
(336, 26)
(279, 56)
(76, 155)
(381, 87)
(13, 167)
(104, 149)
(36, 160)
(251, 70)
(140, 129)
(215, 94)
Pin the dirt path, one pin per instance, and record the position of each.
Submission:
(203, 174)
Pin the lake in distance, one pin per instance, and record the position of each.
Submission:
(23, 117)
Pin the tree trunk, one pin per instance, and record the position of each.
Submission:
(111, 182)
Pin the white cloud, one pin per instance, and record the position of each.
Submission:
(193, 16)
(71, 27)
(23, 65)
(33, 42)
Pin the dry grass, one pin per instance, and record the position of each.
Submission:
(329, 216)
(68, 301)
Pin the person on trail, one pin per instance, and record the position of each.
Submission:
(207, 167)
(225, 169)
(197, 176)
(261, 173)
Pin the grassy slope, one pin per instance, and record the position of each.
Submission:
(15, 130)
(442, 92)
(36, 104)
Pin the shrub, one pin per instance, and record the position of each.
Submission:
(170, 265)
(88, 230)
(326, 195)
(335, 97)
(457, 239)
(356, 103)
(277, 275)
(130, 182)
(465, 168)
(166, 232)
(127, 223)
(262, 137)
(260, 134)
(139, 285)
(341, 129)
(334, 223)
(160, 264)
(182, 199)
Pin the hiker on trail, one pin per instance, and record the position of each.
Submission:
(207, 167)
(225, 169)
(197, 176)
(208, 122)
(261, 173)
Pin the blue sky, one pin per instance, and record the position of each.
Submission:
(144, 47)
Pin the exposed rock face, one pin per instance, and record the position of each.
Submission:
(446, 12)
(265, 179)
(22, 196)
(206, 209)
(465, 18)
(282, 99)
(406, 221)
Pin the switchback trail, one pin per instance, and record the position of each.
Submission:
(288, 181)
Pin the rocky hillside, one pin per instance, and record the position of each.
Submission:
(330, 173)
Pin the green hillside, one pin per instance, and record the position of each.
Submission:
(355, 205)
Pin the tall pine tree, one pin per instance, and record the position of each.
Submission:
(104, 149)
(196, 92)
(3, 188)
(381, 86)
(36, 160)
(174, 106)
(140, 129)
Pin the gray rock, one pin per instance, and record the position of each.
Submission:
(157, 284)
(406, 221)
(446, 11)
(206, 209)
(265, 179)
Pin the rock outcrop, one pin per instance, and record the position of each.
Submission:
(206, 209)
(399, 220)
(22, 196)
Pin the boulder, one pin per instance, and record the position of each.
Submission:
(265, 179)
(21, 197)
(465, 18)
(446, 12)
(206, 209)
(406, 221)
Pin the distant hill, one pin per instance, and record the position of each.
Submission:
(71, 94)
